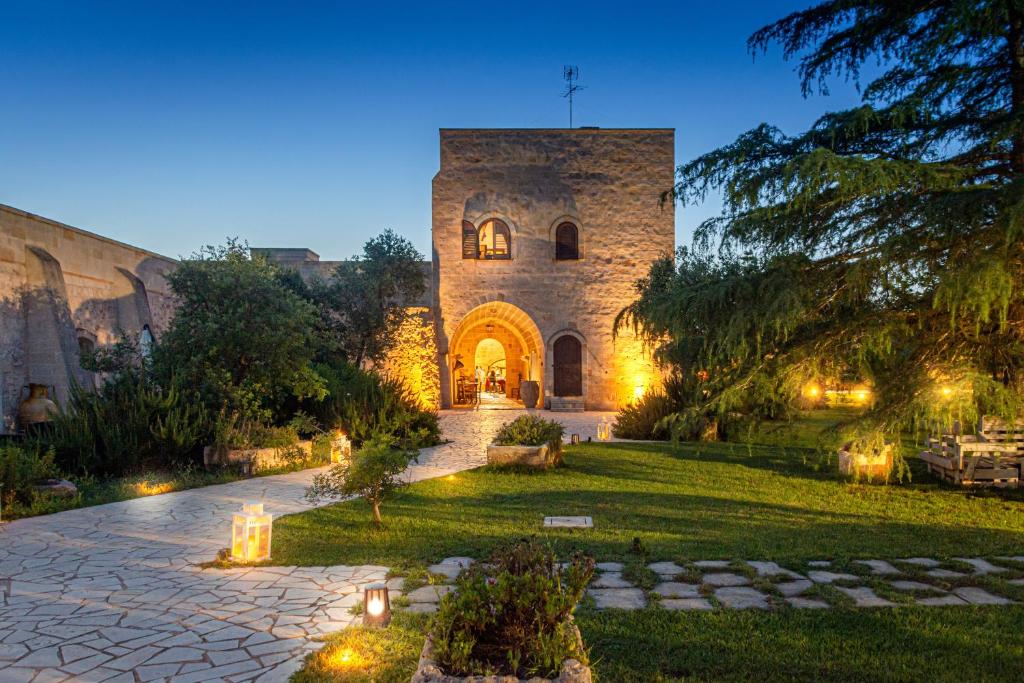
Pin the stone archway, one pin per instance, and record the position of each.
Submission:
(510, 326)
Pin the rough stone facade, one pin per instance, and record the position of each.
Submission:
(609, 184)
(61, 287)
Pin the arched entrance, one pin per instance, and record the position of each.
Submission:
(496, 337)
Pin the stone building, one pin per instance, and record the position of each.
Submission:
(538, 239)
(62, 290)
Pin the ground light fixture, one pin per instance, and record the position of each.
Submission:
(250, 534)
(604, 430)
(376, 606)
(341, 447)
(574, 439)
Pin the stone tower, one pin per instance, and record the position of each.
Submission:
(538, 239)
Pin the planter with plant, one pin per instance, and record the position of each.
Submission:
(510, 618)
(528, 441)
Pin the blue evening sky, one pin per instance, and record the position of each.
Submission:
(170, 125)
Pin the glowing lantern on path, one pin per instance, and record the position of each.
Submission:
(250, 534)
(341, 448)
(604, 430)
(376, 605)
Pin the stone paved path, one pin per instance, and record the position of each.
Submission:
(754, 584)
(113, 593)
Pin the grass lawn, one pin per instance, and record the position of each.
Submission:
(714, 501)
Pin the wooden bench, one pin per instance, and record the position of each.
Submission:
(992, 457)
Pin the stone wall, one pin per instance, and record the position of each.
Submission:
(61, 287)
(413, 360)
(610, 184)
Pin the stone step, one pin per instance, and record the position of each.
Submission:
(567, 404)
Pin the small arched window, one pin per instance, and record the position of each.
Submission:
(495, 240)
(567, 242)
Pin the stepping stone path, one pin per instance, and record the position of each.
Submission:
(807, 603)
(767, 569)
(618, 598)
(979, 596)
(944, 574)
(865, 597)
(732, 590)
(741, 597)
(671, 589)
(726, 579)
(981, 566)
(667, 570)
(879, 567)
(914, 586)
(830, 577)
(450, 567)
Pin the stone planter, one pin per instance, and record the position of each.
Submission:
(541, 457)
(529, 391)
(876, 465)
(428, 671)
(259, 458)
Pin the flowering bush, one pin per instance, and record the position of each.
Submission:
(512, 614)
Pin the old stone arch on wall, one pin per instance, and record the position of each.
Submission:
(477, 219)
(509, 325)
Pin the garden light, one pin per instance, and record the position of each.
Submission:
(376, 605)
(341, 448)
(604, 430)
(250, 534)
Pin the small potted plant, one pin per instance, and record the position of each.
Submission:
(510, 619)
(528, 440)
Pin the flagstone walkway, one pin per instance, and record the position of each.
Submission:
(114, 593)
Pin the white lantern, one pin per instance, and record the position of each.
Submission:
(604, 430)
(250, 534)
(341, 448)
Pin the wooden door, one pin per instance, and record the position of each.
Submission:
(568, 354)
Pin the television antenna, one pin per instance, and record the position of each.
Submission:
(571, 74)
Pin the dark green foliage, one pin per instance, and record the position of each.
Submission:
(364, 403)
(128, 424)
(365, 302)
(20, 468)
(883, 245)
(372, 473)
(241, 339)
(530, 430)
(512, 614)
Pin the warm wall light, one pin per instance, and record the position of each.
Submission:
(376, 605)
(638, 392)
(604, 430)
(946, 391)
(341, 448)
(250, 534)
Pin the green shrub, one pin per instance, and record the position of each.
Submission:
(20, 468)
(372, 473)
(129, 423)
(644, 419)
(530, 430)
(364, 404)
(512, 614)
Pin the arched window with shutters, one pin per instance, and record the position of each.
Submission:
(494, 240)
(567, 242)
